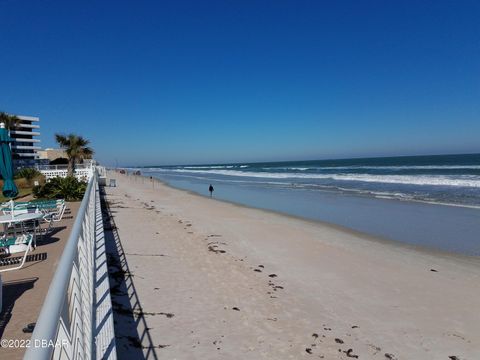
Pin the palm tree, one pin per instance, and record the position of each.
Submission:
(10, 121)
(76, 148)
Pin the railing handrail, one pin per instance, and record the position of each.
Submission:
(47, 322)
(63, 167)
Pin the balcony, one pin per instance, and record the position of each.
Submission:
(25, 140)
(28, 126)
(65, 288)
(20, 132)
(25, 147)
(34, 155)
(28, 118)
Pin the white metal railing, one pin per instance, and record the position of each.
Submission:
(61, 167)
(76, 320)
(82, 172)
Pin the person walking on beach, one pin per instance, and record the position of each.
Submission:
(210, 188)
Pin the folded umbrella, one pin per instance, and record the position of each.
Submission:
(6, 165)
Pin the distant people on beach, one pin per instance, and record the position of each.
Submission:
(210, 188)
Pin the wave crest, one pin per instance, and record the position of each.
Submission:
(432, 180)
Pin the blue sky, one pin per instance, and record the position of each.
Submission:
(170, 82)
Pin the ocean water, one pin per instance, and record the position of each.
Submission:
(431, 201)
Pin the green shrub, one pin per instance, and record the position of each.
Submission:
(27, 173)
(26, 177)
(22, 183)
(68, 188)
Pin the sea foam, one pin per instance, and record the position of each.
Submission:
(432, 180)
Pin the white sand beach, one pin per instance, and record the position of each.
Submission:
(221, 281)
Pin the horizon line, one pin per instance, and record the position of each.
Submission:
(304, 160)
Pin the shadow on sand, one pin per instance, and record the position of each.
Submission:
(132, 337)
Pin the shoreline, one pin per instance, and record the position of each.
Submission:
(243, 283)
(346, 190)
(426, 250)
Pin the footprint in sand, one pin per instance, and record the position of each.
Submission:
(217, 342)
(390, 356)
(213, 248)
(168, 315)
(376, 349)
(350, 354)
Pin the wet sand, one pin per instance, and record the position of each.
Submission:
(220, 281)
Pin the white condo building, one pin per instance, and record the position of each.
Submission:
(25, 141)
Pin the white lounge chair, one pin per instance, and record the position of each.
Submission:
(16, 244)
(57, 214)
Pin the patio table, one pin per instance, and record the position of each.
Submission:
(8, 220)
